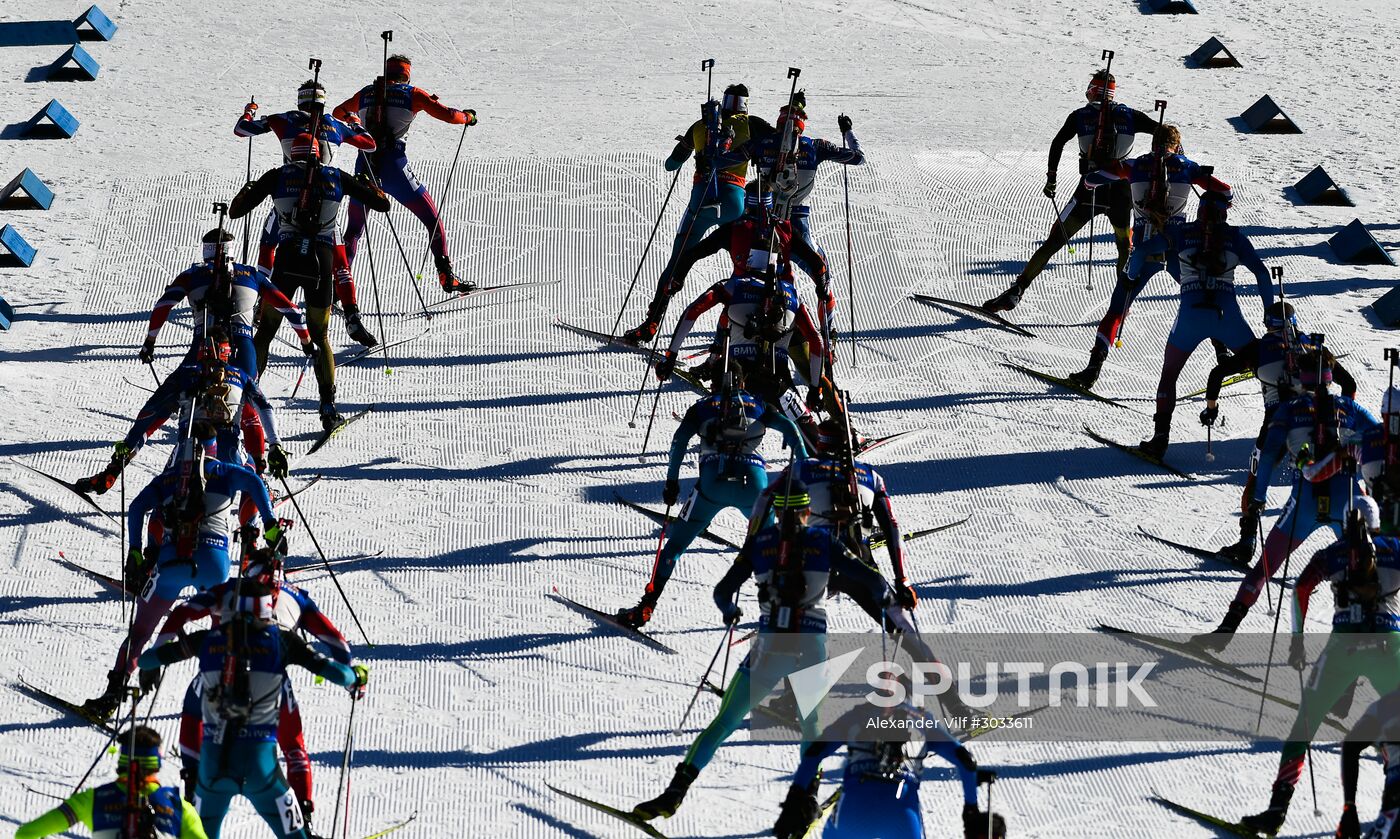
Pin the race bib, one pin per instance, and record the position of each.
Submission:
(290, 810)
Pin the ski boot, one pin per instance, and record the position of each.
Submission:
(1218, 639)
(1009, 299)
(709, 370)
(102, 481)
(955, 708)
(667, 803)
(189, 776)
(449, 280)
(104, 706)
(356, 328)
(307, 808)
(975, 824)
(1240, 553)
(330, 417)
(1156, 445)
(800, 810)
(637, 616)
(1270, 821)
(1222, 352)
(1085, 378)
(641, 334)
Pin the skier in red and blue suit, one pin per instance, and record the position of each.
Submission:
(233, 306)
(295, 611)
(389, 164)
(333, 132)
(1202, 256)
(239, 753)
(1161, 183)
(881, 778)
(793, 184)
(194, 498)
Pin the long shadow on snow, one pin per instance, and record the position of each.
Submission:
(559, 825)
(525, 400)
(1070, 583)
(77, 352)
(483, 648)
(46, 446)
(16, 603)
(552, 750)
(1056, 768)
(527, 468)
(506, 552)
(484, 358)
(984, 471)
(80, 516)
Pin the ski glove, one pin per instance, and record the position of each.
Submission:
(357, 690)
(1350, 826)
(905, 595)
(666, 366)
(1297, 654)
(800, 809)
(147, 353)
(731, 613)
(276, 539)
(277, 461)
(843, 122)
(148, 680)
(470, 115)
(1208, 415)
(672, 493)
(1049, 187)
(135, 572)
(309, 349)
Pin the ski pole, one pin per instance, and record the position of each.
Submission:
(248, 176)
(302, 375)
(291, 496)
(1259, 523)
(152, 368)
(666, 202)
(661, 540)
(646, 440)
(100, 752)
(1059, 223)
(442, 205)
(723, 643)
(343, 785)
(378, 306)
(1107, 57)
(646, 371)
(155, 694)
(1307, 753)
(1210, 453)
(1273, 638)
(1093, 217)
(126, 561)
(991, 779)
(850, 260)
(724, 669)
(394, 231)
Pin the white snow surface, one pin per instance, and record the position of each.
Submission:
(487, 471)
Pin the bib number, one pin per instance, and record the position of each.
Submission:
(290, 810)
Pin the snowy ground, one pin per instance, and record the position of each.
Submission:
(488, 469)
